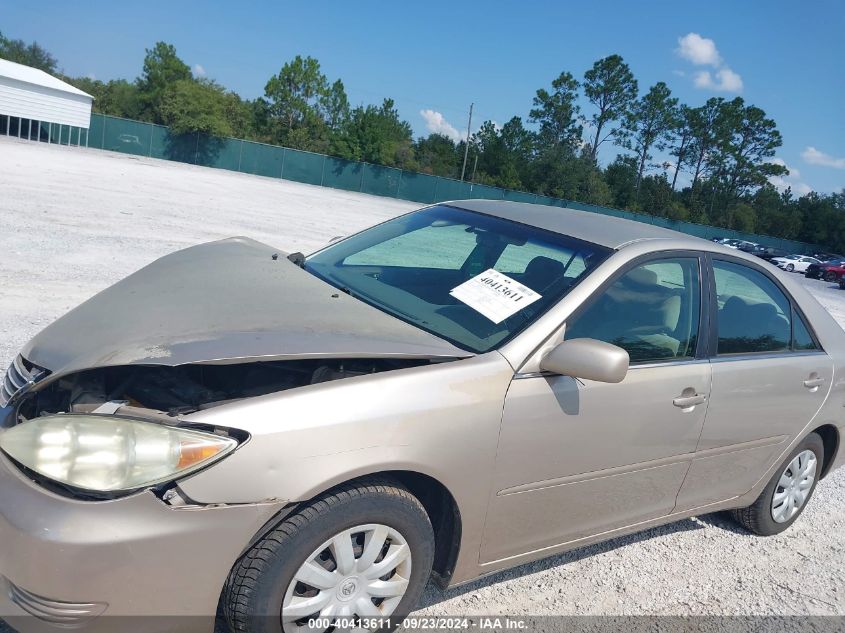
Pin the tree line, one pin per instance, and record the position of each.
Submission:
(709, 164)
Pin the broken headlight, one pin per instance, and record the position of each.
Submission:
(108, 453)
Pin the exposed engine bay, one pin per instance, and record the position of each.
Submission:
(161, 393)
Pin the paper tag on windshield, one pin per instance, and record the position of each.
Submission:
(494, 295)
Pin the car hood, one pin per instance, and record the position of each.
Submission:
(225, 301)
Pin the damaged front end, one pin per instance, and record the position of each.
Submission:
(109, 431)
(163, 393)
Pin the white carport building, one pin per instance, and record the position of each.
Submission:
(35, 105)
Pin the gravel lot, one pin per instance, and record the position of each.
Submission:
(73, 221)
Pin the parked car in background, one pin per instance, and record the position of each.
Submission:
(740, 245)
(768, 252)
(828, 257)
(794, 265)
(456, 391)
(817, 271)
(789, 257)
(832, 271)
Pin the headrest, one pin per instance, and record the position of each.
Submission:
(641, 277)
(545, 266)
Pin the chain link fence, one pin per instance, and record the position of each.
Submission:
(156, 141)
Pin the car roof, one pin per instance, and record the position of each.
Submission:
(605, 230)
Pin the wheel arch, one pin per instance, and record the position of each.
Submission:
(830, 439)
(439, 503)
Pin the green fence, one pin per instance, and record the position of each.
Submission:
(146, 139)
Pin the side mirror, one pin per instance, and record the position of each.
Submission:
(587, 358)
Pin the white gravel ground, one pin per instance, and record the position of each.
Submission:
(74, 221)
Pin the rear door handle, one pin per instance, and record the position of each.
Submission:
(813, 383)
(688, 402)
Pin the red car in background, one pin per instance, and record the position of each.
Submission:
(828, 271)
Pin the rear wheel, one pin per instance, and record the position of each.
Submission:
(830, 276)
(790, 267)
(785, 497)
(364, 551)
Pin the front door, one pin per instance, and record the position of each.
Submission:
(577, 457)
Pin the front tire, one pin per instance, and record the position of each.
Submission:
(787, 494)
(361, 551)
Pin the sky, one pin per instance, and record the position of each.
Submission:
(437, 57)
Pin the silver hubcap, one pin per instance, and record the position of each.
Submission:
(794, 486)
(362, 572)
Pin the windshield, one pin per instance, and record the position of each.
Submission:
(470, 278)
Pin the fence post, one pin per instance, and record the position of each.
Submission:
(150, 150)
(284, 156)
(399, 183)
(240, 154)
(361, 186)
(323, 172)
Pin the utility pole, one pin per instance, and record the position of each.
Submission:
(466, 147)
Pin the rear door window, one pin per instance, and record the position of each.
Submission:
(754, 315)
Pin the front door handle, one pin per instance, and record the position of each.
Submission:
(688, 403)
(813, 383)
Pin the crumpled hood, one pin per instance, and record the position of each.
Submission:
(224, 301)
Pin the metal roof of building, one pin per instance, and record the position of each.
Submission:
(30, 75)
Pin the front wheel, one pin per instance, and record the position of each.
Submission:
(830, 276)
(785, 497)
(363, 552)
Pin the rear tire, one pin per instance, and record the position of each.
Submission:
(767, 515)
(269, 574)
(830, 276)
(790, 268)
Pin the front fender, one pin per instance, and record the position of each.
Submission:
(441, 420)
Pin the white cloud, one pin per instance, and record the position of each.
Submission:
(198, 70)
(679, 73)
(701, 51)
(782, 183)
(437, 124)
(724, 80)
(792, 171)
(815, 157)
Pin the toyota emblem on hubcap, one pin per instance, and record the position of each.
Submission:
(348, 589)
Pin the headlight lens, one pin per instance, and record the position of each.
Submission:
(110, 454)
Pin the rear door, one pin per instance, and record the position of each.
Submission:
(770, 378)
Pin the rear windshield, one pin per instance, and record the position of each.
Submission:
(469, 278)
